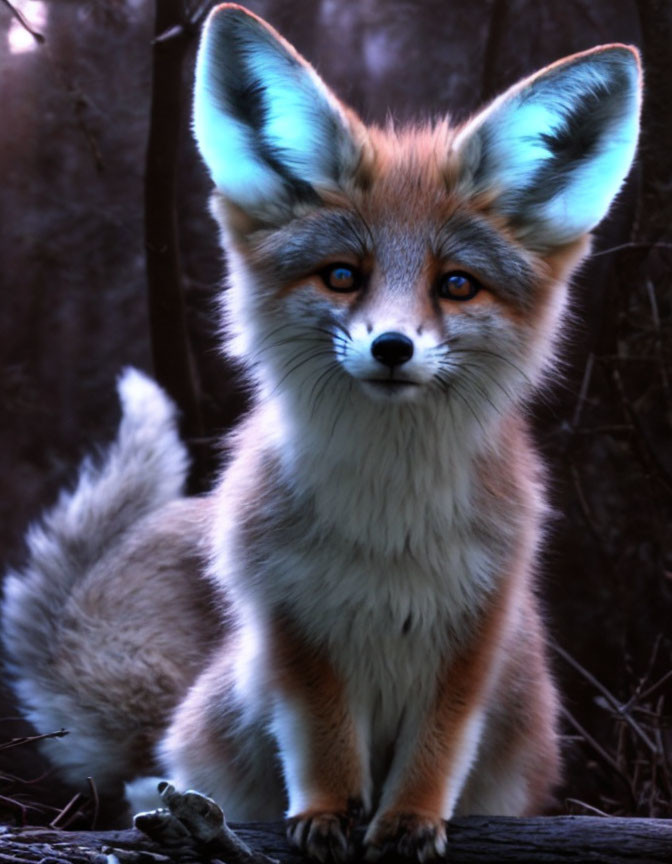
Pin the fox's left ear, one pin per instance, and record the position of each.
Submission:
(555, 148)
(269, 129)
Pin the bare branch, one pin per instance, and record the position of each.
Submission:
(23, 21)
(18, 742)
(611, 700)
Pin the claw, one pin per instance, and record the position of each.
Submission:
(321, 836)
(418, 838)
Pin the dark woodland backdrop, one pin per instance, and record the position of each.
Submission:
(74, 126)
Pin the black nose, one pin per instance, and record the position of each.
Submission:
(392, 349)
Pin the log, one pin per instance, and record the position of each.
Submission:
(541, 840)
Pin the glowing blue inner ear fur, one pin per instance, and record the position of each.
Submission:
(265, 123)
(557, 146)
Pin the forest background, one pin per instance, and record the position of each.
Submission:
(81, 206)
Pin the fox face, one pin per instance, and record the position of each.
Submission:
(426, 265)
(398, 289)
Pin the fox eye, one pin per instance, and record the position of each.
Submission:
(341, 277)
(458, 286)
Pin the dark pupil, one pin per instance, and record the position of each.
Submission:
(341, 277)
(459, 285)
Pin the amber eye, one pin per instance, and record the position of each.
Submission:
(341, 277)
(458, 286)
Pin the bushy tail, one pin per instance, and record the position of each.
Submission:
(143, 469)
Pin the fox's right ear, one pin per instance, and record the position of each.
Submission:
(267, 126)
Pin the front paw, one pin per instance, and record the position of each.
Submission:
(409, 835)
(324, 835)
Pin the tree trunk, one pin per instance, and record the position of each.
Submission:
(171, 352)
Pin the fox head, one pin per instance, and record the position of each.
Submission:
(403, 266)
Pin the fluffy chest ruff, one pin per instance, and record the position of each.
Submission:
(397, 513)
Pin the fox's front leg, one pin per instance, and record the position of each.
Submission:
(435, 751)
(427, 777)
(320, 747)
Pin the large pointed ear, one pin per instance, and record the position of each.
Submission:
(268, 128)
(555, 148)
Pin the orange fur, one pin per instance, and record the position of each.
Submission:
(304, 673)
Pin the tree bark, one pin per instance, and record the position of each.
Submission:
(542, 840)
(171, 352)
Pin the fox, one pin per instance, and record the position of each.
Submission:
(347, 628)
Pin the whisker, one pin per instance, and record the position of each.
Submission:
(297, 364)
(457, 391)
(313, 397)
(469, 376)
(273, 332)
(339, 407)
(500, 357)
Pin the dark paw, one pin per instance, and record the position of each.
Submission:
(406, 835)
(324, 836)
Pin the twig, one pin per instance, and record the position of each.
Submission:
(585, 509)
(67, 814)
(198, 14)
(632, 245)
(598, 749)
(636, 696)
(589, 807)
(23, 21)
(607, 429)
(16, 805)
(654, 687)
(12, 778)
(96, 802)
(665, 762)
(654, 786)
(175, 32)
(23, 807)
(614, 704)
(658, 344)
(28, 739)
(646, 453)
(583, 392)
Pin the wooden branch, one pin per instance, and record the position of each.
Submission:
(543, 840)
